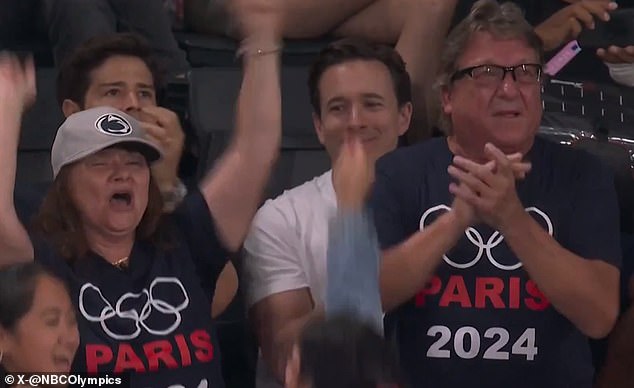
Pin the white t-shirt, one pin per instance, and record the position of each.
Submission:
(286, 247)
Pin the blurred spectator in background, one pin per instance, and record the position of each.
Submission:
(120, 70)
(559, 22)
(38, 330)
(342, 352)
(416, 27)
(72, 22)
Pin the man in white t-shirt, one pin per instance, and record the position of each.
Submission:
(356, 88)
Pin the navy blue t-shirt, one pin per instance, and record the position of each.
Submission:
(152, 321)
(481, 321)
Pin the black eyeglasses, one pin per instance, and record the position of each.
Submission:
(526, 73)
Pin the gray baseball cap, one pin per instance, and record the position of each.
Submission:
(90, 131)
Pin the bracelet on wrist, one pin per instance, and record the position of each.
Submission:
(248, 50)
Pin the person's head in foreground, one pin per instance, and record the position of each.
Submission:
(103, 190)
(38, 331)
(363, 89)
(342, 352)
(490, 80)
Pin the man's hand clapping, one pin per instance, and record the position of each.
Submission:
(489, 188)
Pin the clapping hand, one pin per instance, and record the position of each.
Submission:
(489, 188)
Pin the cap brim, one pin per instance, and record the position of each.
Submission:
(148, 150)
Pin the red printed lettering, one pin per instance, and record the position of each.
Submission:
(202, 341)
(432, 288)
(488, 292)
(175, 352)
(538, 302)
(159, 351)
(127, 359)
(97, 355)
(455, 292)
(489, 288)
(514, 293)
(186, 358)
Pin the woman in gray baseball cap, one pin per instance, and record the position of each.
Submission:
(142, 281)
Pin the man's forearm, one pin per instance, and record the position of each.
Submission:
(407, 267)
(585, 291)
(353, 268)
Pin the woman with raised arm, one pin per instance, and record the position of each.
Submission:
(142, 283)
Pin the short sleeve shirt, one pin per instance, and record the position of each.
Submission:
(152, 321)
(481, 320)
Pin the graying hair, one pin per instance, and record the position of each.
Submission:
(503, 21)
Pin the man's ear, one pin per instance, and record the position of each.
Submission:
(405, 118)
(445, 99)
(318, 127)
(70, 107)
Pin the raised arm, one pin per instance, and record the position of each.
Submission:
(353, 249)
(234, 188)
(17, 91)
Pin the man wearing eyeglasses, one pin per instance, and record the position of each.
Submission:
(500, 249)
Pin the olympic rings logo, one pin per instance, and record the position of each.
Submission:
(127, 308)
(474, 236)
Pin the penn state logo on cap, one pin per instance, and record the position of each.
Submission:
(113, 124)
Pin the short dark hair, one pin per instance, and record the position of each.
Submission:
(74, 77)
(342, 352)
(17, 289)
(352, 49)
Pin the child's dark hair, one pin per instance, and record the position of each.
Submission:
(17, 289)
(344, 353)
